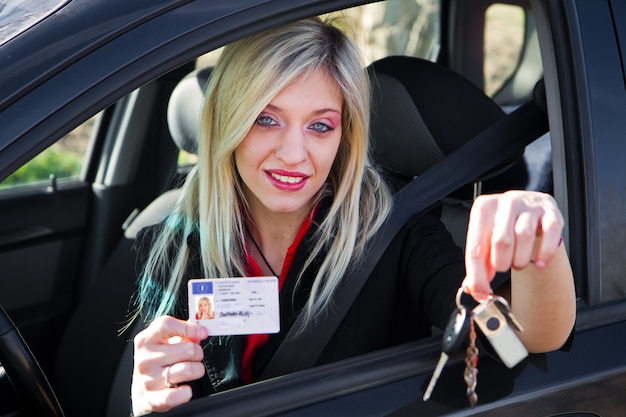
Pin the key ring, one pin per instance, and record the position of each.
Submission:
(481, 304)
(459, 293)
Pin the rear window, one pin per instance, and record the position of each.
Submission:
(16, 16)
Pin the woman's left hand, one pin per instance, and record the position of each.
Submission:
(508, 231)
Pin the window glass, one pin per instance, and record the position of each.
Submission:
(64, 159)
(398, 27)
(18, 15)
(503, 43)
(392, 27)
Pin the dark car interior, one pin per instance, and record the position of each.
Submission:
(85, 230)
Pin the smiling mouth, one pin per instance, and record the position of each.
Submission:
(287, 179)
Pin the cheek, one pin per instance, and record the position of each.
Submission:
(237, 159)
(327, 155)
(242, 159)
(251, 152)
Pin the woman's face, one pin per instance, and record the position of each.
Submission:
(287, 155)
(203, 306)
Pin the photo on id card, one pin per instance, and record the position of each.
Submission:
(235, 306)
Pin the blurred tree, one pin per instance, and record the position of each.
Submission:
(399, 27)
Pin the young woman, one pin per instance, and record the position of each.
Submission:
(204, 309)
(285, 186)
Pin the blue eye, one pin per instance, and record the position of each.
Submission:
(320, 127)
(265, 121)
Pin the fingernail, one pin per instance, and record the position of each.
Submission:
(540, 264)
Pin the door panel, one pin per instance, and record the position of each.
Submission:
(41, 238)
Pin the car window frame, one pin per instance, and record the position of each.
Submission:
(579, 130)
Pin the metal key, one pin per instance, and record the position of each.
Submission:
(455, 333)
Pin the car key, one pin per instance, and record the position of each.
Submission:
(456, 331)
(505, 309)
(494, 325)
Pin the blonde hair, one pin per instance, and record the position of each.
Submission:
(207, 300)
(248, 75)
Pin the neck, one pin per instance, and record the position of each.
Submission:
(274, 230)
(257, 253)
(270, 238)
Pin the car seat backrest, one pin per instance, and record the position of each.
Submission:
(184, 108)
(183, 116)
(421, 112)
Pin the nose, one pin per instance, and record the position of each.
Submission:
(292, 147)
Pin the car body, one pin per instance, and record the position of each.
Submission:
(120, 60)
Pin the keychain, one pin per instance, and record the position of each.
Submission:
(459, 326)
(470, 375)
(495, 319)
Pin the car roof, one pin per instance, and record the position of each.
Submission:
(20, 15)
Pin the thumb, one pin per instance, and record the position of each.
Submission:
(165, 327)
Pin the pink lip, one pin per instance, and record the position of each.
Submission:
(284, 180)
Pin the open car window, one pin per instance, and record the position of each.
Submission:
(63, 161)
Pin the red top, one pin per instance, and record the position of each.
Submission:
(255, 341)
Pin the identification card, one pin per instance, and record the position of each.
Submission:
(235, 306)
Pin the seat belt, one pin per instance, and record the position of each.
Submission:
(502, 141)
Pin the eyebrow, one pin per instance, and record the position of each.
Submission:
(277, 109)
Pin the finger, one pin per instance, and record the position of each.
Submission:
(184, 372)
(478, 248)
(168, 398)
(179, 352)
(166, 327)
(525, 236)
(503, 234)
(150, 360)
(551, 231)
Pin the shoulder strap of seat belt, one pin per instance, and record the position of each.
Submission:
(500, 142)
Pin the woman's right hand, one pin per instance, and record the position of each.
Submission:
(167, 353)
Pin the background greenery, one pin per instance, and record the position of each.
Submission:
(60, 162)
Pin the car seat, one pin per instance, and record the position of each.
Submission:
(421, 112)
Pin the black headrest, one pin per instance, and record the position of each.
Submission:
(184, 107)
(422, 112)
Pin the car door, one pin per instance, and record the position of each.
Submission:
(45, 209)
(73, 179)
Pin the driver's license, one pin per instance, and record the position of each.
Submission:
(235, 306)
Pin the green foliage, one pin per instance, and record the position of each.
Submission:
(52, 161)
